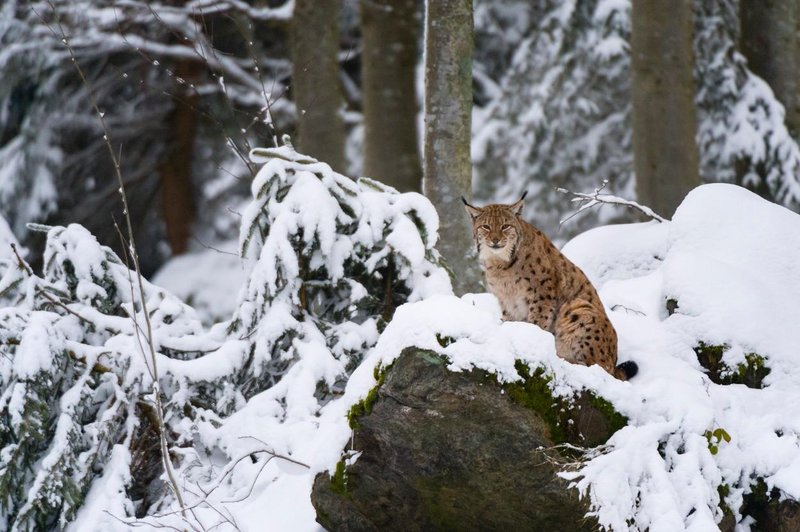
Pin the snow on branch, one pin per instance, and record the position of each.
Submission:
(587, 201)
(282, 12)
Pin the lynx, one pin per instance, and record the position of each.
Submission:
(534, 282)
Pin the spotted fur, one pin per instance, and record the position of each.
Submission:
(535, 282)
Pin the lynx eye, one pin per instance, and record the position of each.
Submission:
(505, 226)
(484, 227)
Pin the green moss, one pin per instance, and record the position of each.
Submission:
(751, 373)
(440, 500)
(364, 407)
(523, 370)
(615, 419)
(444, 341)
(339, 479)
(724, 490)
(563, 416)
(759, 493)
(533, 392)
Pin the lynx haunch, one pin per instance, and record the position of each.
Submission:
(535, 282)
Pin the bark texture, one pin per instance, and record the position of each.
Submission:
(390, 30)
(457, 451)
(770, 42)
(662, 91)
(447, 169)
(315, 85)
(177, 192)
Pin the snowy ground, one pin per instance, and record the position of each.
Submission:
(727, 258)
(209, 280)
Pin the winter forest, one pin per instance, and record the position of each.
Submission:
(239, 290)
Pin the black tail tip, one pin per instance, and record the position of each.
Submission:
(629, 369)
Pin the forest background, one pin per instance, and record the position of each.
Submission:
(561, 95)
(179, 104)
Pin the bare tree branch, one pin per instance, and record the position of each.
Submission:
(587, 201)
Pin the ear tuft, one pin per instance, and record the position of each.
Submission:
(473, 212)
(516, 208)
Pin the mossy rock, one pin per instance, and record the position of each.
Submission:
(751, 373)
(445, 450)
(585, 420)
(771, 511)
(364, 407)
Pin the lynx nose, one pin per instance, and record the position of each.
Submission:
(494, 244)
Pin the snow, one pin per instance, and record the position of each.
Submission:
(208, 280)
(279, 382)
(726, 258)
(6, 239)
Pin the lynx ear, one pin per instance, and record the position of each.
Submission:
(473, 212)
(516, 208)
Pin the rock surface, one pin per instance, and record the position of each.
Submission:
(448, 450)
(770, 510)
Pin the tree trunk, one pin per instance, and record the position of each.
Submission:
(315, 80)
(448, 107)
(662, 93)
(390, 31)
(769, 42)
(177, 192)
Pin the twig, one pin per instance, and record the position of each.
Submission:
(226, 518)
(231, 465)
(138, 332)
(212, 248)
(628, 309)
(587, 201)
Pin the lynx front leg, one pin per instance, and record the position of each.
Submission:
(541, 311)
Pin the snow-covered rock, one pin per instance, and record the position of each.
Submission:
(692, 446)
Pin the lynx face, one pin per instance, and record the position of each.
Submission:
(497, 231)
